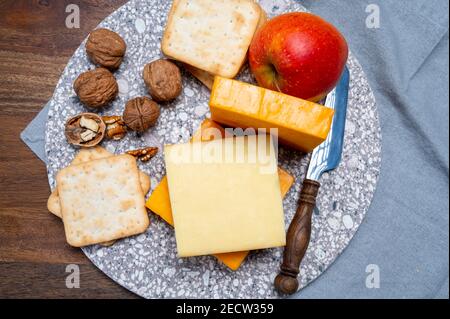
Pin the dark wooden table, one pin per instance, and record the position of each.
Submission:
(35, 45)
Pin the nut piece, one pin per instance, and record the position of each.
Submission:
(115, 127)
(87, 135)
(86, 130)
(96, 88)
(89, 124)
(140, 114)
(144, 154)
(106, 48)
(163, 80)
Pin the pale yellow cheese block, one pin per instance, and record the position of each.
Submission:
(233, 206)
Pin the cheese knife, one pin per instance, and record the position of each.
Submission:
(325, 157)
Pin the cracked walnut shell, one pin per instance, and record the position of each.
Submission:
(85, 129)
(96, 88)
(106, 48)
(140, 114)
(163, 80)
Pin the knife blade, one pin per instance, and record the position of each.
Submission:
(325, 157)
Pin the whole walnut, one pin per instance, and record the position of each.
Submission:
(96, 88)
(140, 114)
(106, 48)
(163, 80)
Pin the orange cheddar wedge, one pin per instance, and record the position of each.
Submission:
(286, 181)
(159, 201)
(301, 124)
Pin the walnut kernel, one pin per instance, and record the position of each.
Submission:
(115, 127)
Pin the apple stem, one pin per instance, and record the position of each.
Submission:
(276, 85)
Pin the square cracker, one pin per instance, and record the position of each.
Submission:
(207, 78)
(87, 155)
(102, 200)
(213, 36)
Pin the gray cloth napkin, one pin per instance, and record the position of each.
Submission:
(34, 134)
(405, 236)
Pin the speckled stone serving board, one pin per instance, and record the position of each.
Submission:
(147, 264)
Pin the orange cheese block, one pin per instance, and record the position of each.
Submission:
(159, 201)
(301, 124)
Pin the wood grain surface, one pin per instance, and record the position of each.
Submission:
(35, 45)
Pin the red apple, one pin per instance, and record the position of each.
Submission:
(299, 54)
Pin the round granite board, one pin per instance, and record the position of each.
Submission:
(147, 264)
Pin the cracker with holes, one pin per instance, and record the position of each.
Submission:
(86, 155)
(207, 78)
(212, 36)
(101, 200)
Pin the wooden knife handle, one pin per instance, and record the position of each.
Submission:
(297, 239)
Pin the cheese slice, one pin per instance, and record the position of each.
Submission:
(236, 203)
(301, 124)
(159, 201)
